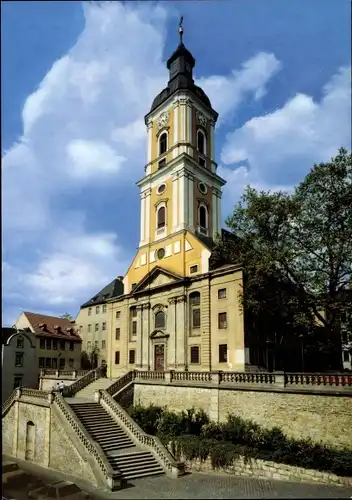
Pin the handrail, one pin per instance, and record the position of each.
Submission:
(93, 448)
(6, 405)
(82, 382)
(121, 382)
(172, 465)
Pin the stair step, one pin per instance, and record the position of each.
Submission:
(133, 469)
(104, 437)
(109, 439)
(137, 475)
(134, 456)
(96, 419)
(116, 446)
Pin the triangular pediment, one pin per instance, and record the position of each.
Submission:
(159, 334)
(157, 277)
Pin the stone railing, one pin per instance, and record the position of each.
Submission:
(121, 382)
(318, 379)
(317, 382)
(82, 382)
(190, 376)
(71, 374)
(6, 405)
(34, 393)
(111, 478)
(172, 467)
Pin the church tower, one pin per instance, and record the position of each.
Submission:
(180, 192)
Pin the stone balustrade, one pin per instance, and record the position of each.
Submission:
(312, 382)
(59, 374)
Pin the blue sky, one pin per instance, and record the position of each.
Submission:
(77, 80)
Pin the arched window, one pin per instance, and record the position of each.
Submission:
(163, 143)
(201, 142)
(203, 217)
(194, 302)
(160, 319)
(161, 217)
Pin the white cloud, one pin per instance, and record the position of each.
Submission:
(88, 157)
(85, 123)
(227, 92)
(283, 145)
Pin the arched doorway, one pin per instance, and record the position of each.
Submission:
(30, 441)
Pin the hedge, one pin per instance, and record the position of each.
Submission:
(193, 435)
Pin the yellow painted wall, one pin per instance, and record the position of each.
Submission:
(155, 138)
(155, 200)
(177, 263)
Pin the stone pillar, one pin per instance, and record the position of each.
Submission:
(150, 143)
(171, 351)
(46, 457)
(139, 344)
(181, 331)
(15, 434)
(212, 141)
(176, 127)
(97, 396)
(147, 215)
(144, 337)
(142, 236)
(175, 200)
(190, 202)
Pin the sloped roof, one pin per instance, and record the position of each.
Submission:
(113, 289)
(50, 323)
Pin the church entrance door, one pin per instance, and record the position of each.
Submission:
(159, 357)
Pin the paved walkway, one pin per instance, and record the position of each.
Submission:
(191, 486)
(222, 486)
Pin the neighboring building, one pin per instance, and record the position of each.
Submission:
(19, 360)
(93, 320)
(58, 345)
(176, 313)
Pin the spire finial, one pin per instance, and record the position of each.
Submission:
(180, 29)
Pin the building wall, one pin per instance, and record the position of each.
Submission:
(58, 353)
(88, 316)
(27, 370)
(322, 417)
(53, 445)
(178, 336)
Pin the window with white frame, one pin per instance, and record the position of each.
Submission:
(163, 143)
(161, 217)
(201, 142)
(203, 218)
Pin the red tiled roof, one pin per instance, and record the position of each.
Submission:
(50, 322)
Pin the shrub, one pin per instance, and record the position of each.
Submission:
(147, 418)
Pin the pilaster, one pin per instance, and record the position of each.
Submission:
(176, 128)
(139, 344)
(171, 328)
(181, 332)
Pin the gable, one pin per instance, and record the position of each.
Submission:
(157, 277)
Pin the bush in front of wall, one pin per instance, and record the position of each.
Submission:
(192, 433)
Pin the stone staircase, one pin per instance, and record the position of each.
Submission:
(87, 393)
(122, 453)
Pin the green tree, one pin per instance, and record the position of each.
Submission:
(66, 315)
(303, 241)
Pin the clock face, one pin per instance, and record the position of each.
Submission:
(201, 119)
(163, 120)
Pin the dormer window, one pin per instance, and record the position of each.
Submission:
(42, 326)
(163, 143)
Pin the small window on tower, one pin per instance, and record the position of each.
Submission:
(163, 143)
(201, 142)
(161, 217)
(203, 216)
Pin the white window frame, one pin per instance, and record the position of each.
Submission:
(203, 230)
(162, 231)
(167, 142)
(204, 153)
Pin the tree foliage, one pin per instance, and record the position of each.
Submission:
(296, 250)
(66, 315)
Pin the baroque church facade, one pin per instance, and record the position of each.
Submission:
(175, 313)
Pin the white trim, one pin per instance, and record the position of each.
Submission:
(219, 214)
(167, 142)
(205, 256)
(202, 204)
(147, 218)
(150, 142)
(199, 130)
(212, 142)
(142, 217)
(215, 213)
(174, 203)
(162, 231)
(190, 204)
(183, 122)
(176, 111)
(181, 207)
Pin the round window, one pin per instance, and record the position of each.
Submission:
(160, 253)
(161, 188)
(202, 188)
